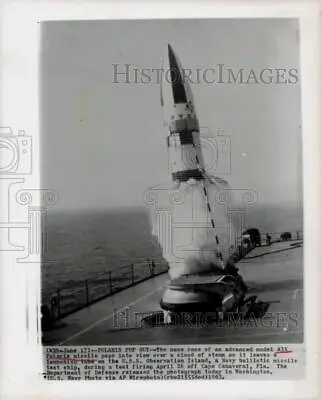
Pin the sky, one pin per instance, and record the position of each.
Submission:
(103, 143)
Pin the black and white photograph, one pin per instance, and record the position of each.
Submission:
(175, 148)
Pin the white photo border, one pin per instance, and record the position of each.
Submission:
(21, 352)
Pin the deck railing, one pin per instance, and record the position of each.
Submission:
(71, 297)
(276, 236)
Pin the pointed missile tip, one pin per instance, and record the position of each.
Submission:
(170, 49)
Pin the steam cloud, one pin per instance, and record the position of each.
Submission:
(186, 235)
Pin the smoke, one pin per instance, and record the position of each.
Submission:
(185, 233)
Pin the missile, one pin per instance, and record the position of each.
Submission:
(181, 122)
(197, 280)
(183, 133)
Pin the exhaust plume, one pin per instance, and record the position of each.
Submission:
(188, 239)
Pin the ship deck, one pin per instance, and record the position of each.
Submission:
(273, 273)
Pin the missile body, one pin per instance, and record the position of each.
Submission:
(183, 133)
(183, 137)
(197, 271)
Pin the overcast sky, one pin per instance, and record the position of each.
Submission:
(103, 143)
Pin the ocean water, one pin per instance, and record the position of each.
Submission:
(86, 245)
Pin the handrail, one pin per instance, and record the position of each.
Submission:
(74, 296)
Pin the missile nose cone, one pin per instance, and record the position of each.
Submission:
(180, 118)
(175, 87)
(172, 56)
(177, 78)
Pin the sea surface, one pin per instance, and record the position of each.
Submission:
(87, 244)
